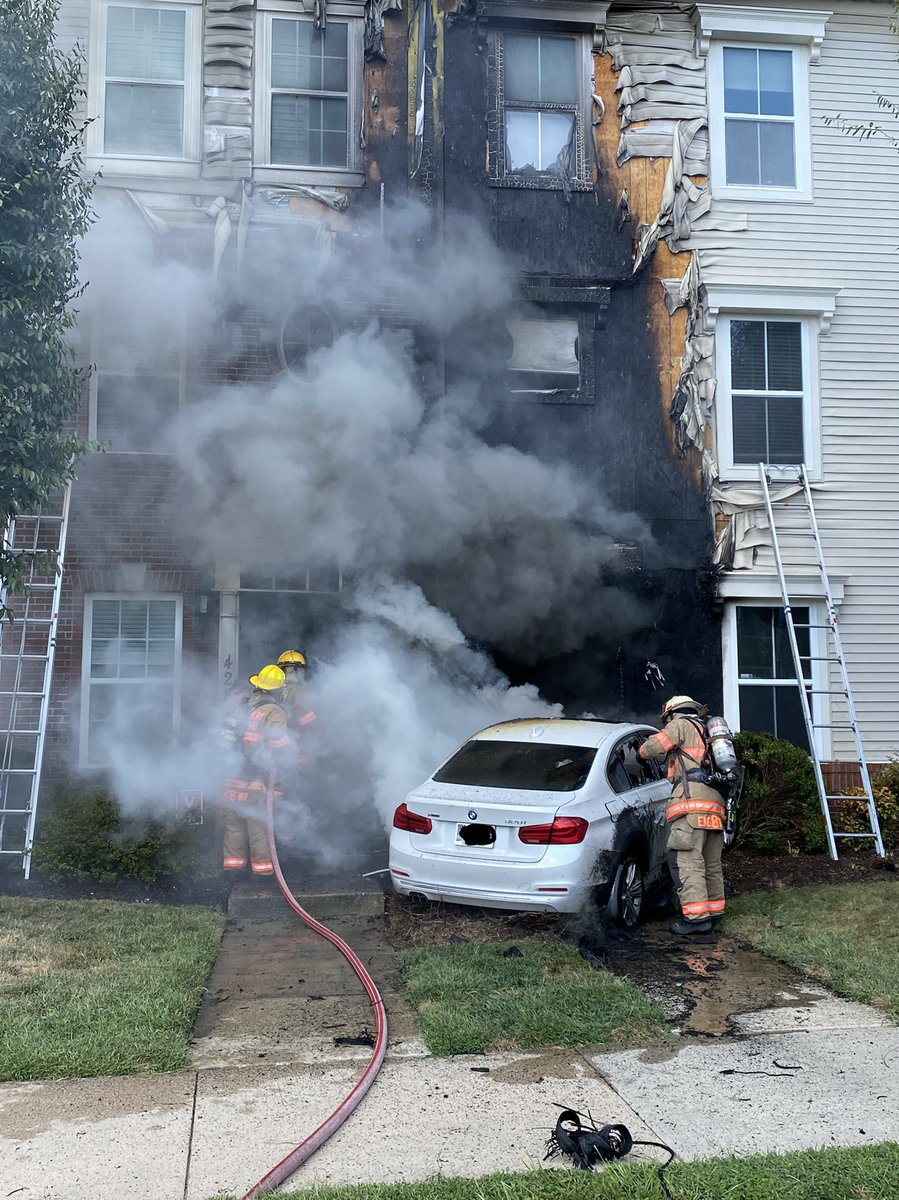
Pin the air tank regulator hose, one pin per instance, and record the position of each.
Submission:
(319, 1136)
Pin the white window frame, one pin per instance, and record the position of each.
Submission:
(797, 30)
(92, 392)
(87, 635)
(767, 595)
(343, 12)
(814, 309)
(96, 157)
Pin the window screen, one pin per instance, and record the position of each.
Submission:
(145, 81)
(767, 391)
(759, 112)
(543, 768)
(310, 93)
(134, 652)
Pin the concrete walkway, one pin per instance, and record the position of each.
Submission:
(814, 1070)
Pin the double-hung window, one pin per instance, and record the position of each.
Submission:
(759, 80)
(131, 674)
(767, 391)
(307, 88)
(145, 81)
(768, 690)
(134, 406)
(541, 104)
(540, 83)
(759, 116)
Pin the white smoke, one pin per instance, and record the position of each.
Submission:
(364, 461)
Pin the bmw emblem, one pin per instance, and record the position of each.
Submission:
(472, 815)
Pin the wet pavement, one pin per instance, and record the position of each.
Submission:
(707, 987)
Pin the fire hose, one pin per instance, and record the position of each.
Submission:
(329, 1127)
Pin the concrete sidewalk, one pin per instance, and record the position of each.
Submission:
(813, 1070)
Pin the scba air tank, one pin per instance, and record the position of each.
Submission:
(721, 744)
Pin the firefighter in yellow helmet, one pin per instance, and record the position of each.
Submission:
(264, 745)
(696, 814)
(293, 664)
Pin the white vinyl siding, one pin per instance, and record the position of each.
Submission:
(131, 674)
(846, 240)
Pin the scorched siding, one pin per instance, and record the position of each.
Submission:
(848, 238)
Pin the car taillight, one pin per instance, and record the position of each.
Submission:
(563, 831)
(412, 822)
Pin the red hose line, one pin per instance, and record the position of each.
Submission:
(318, 1137)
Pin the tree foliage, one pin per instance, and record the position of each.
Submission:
(873, 129)
(44, 210)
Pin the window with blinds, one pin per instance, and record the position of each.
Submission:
(145, 81)
(768, 391)
(768, 688)
(309, 94)
(131, 675)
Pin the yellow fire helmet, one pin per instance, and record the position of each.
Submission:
(269, 679)
(292, 658)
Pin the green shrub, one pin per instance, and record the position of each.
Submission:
(83, 834)
(781, 810)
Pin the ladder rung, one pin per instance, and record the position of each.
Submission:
(831, 725)
(831, 658)
(14, 812)
(827, 691)
(854, 835)
(18, 852)
(16, 771)
(836, 797)
(804, 625)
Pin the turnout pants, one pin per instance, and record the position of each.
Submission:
(246, 830)
(694, 856)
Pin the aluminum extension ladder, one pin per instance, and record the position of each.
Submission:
(27, 652)
(833, 648)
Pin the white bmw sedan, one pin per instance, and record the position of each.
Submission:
(538, 815)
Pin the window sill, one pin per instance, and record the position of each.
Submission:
(763, 195)
(110, 166)
(538, 183)
(747, 474)
(309, 176)
(549, 396)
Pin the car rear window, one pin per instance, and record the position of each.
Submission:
(542, 768)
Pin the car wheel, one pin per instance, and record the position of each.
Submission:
(628, 892)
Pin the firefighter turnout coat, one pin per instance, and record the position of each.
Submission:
(696, 814)
(265, 745)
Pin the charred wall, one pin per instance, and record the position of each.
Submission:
(570, 245)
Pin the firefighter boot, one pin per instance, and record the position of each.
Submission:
(685, 928)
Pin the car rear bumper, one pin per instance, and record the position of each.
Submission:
(522, 887)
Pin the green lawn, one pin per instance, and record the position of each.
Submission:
(472, 998)
(100, 988)
(862, 1173)
(847, 936)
